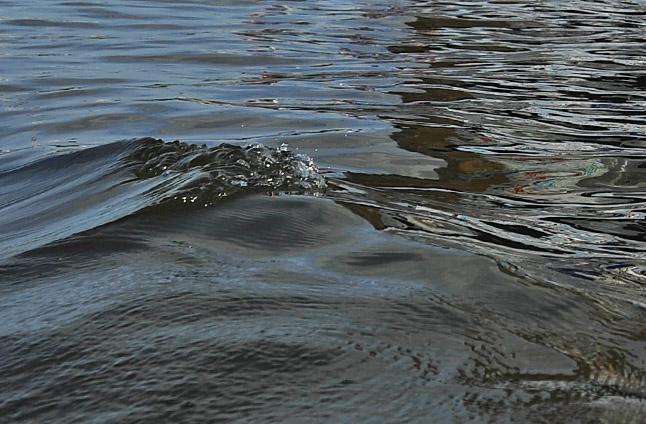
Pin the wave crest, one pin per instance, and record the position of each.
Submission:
(197, 173)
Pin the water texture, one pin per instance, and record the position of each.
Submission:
(377, 211)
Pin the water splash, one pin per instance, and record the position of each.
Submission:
(200, 174)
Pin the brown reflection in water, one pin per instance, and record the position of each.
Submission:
(370, 214)
(430, 23)
(436, 95)
(465, 171)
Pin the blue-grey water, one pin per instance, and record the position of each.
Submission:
(376, 211)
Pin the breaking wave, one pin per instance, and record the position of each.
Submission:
(74, 192)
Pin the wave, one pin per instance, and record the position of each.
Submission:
(53, 198)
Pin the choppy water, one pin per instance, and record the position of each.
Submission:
(456, 232)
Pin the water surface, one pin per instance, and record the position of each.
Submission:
(423, 211)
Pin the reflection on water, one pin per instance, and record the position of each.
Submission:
(478, 255)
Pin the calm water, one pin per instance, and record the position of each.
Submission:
(457, 231)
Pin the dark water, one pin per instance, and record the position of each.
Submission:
(456, 232)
